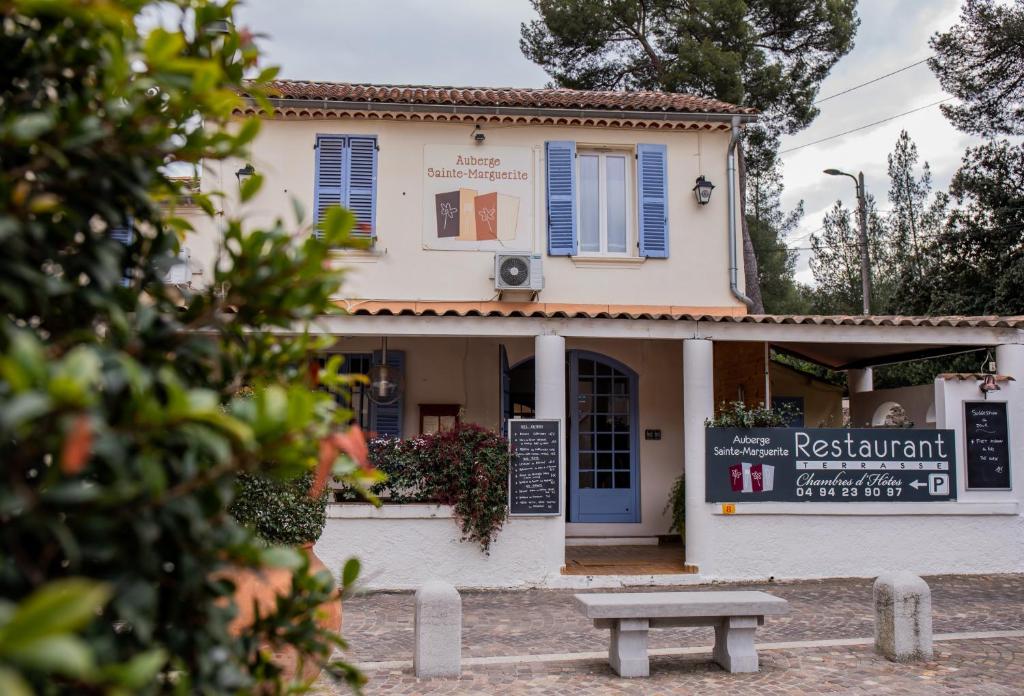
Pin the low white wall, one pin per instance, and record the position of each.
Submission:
(403, 546)
(759, 546)
(980, 532)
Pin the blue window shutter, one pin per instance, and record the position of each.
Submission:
(506, 387)
(329, 181)
(560, 156)
(652, 187)
(387, 418)
(362, 184)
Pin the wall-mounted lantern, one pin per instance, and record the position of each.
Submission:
(702, 190)
(244, 173)
(989, 384)
(478, 135)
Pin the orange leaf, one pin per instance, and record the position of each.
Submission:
(352, 443)
(75, 452)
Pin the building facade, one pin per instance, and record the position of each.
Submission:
(544, 254)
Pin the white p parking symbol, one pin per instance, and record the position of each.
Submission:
(938, 484)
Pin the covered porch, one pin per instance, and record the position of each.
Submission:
(632, 392)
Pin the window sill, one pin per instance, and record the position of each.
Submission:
(608, 261)
(371, 255)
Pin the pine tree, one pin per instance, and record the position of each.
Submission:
(980, 60)
(913, 221)
(769, 227)
(768, 54)
(835, 262)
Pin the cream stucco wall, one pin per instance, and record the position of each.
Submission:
(918, 402)
(695, 274)
(465, 371)
(823, 402)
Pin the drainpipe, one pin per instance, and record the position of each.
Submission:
(730, 167)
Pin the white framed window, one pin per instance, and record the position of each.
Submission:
(605, 194)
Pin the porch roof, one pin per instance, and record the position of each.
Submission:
(838, 342)
(552, 310)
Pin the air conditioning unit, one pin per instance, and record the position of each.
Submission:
(180, 273)
(518, 272)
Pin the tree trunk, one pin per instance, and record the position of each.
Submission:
(750, 274)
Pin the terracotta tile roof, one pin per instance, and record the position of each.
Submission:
(655, 102)
(549, 310)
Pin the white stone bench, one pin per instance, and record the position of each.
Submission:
(735, 616)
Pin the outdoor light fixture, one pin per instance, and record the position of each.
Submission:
(478, 135)
(244, 173)
(702, 190)
(988, 384)
(386, 381)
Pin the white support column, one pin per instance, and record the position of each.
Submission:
(1010, 361)
(549, 394)
(698, 406)
(860, 380)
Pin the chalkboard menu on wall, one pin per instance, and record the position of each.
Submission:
(988, 449)
(534, 484)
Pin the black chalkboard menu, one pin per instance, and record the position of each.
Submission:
(988, 449)
(534, 484)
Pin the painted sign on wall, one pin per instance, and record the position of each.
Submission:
(477, 198)
(833, 465)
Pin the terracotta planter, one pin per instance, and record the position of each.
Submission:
(262, 588)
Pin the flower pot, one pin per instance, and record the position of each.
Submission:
(261, 588)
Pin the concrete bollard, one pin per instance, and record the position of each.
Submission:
(903, 617)
(438, 650)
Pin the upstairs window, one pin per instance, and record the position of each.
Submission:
(346, 175)
(607, 202)
(606, 185)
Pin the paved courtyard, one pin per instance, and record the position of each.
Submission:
(534, 642)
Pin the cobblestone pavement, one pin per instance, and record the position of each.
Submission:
(963, 667)
(379, 627)
(530, 622)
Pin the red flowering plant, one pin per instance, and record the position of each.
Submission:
(465, 467)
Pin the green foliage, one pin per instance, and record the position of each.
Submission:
(980, 61)
(835, 261)
(976, 262)
(280, 511)
(466, 467)
(676, 505)
(468, 470)
(769, 226)
(736, 414)
(122, 423)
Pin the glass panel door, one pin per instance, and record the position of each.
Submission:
(603, 465)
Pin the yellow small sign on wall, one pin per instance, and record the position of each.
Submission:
(728, 508)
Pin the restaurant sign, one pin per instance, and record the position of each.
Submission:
(477, 198)
(832, 465)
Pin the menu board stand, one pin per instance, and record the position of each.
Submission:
(534, 487)
(986, 434)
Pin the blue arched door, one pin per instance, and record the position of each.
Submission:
(603, 440)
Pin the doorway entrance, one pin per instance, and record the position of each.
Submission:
(603, 443)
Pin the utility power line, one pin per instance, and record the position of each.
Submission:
(867, 125)
(871, 82)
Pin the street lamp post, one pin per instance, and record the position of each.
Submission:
(862, 210)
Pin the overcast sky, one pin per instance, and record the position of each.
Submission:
(469, 42)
